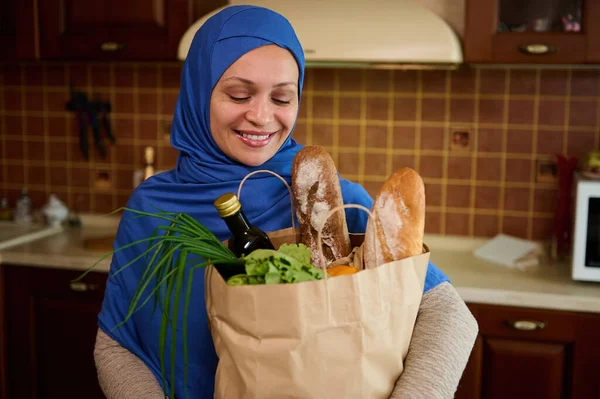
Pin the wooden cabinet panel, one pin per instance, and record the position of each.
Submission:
(523, 369)
(470, 383)
(112, 29)
(8, 30)
(563, 49)
(532, 353)
(51, 331)
(18, 31)
(527, 323)
(66, 329)
(586, 358)
(592, 7)
(3, 347)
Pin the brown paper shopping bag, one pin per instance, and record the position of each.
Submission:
(339, 338)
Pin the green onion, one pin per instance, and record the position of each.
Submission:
(166, 259)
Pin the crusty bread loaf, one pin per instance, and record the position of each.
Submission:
(396, 230)
(317, 191)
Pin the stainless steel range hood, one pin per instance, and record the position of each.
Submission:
(398, 34)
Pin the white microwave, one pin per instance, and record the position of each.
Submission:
(586, 229)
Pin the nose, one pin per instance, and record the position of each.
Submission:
(260, 112)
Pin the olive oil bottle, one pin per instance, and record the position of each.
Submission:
(245, 237)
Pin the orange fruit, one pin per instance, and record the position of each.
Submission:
(341, 270)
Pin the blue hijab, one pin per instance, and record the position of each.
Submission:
(203, 172)
(217, 44)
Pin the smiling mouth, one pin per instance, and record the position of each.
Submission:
(254, 140)
(254, 137)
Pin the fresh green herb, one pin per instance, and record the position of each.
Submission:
(168, 257)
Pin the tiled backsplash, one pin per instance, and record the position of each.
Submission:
(371, 121)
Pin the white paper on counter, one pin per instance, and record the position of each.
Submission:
(509, 251)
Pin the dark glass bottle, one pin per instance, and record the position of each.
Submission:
(245, 237)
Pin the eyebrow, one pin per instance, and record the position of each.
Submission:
(249, 82)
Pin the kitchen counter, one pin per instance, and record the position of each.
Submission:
(66, 249)
(545, 286)
(548, 285)
(12, 234)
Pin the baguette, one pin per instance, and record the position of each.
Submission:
(317, 191)
(397, 227)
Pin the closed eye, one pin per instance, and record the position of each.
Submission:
(239, 99)
(281, 101)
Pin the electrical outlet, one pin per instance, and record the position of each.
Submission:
(103, 180)
(460, 140)
(546, 171)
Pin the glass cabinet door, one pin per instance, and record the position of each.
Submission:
(540, 16)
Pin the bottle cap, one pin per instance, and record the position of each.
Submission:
(227, 205)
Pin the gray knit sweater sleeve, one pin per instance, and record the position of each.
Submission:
(121, 374)
(444, 335)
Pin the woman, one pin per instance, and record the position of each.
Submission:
(240, 92)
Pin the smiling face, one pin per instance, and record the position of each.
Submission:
(253, 106)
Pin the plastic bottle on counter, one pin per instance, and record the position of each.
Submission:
(23, 208)
(149, 162)
(5, 213)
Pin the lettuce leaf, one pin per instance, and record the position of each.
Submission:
(297, 251)
(289, 264)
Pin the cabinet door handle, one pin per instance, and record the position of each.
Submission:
(526, 325)
(111, 46)
(80, 286)
(538, 49)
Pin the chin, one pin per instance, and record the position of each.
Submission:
(254, 159)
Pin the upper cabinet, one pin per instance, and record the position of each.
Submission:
(17, 36)
(8, 30)
(532, 31)
(112, 29)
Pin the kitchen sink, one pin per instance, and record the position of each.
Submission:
(12, 234)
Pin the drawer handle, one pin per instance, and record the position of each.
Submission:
(538, 49)
(111, 46)
(80, 286)
(526, 325)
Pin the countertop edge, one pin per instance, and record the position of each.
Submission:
(490, 296)
(67, 262)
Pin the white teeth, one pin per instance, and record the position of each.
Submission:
(254, 137)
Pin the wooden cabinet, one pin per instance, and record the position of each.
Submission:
(51, 326)
(17, 36)
(3, 347)
(8, 30)
(112, 29)
(100, 30)
(532, 31)
(533, 353)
